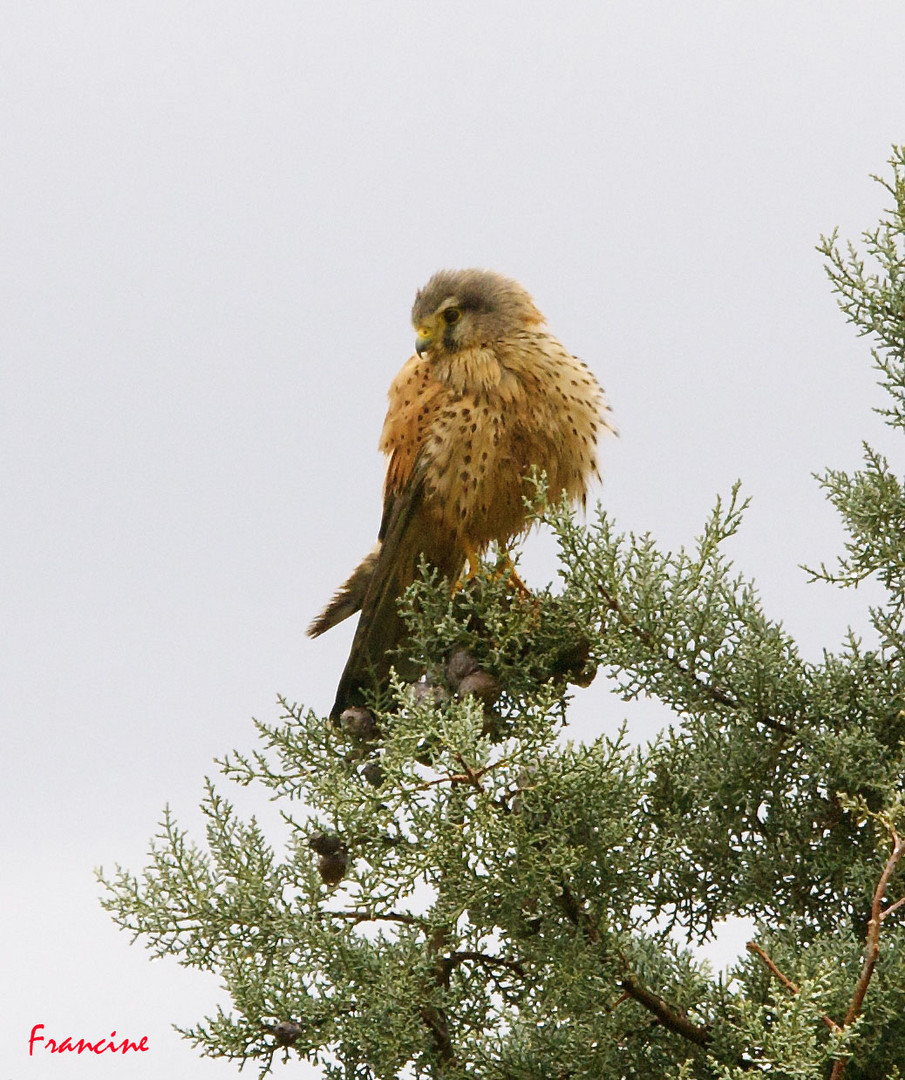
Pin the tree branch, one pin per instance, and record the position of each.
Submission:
(438, 1026)
(671, 1018)
(719, 696)
(892, 908)
(792, 987)
(871, 951)
(456, 958)
(872, 944)
(378, 916)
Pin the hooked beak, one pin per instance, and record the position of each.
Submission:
(423, 341)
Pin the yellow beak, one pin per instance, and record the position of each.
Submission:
(424, 340)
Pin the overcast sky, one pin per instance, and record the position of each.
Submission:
(213, 220)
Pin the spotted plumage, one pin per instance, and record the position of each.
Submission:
(488, 394)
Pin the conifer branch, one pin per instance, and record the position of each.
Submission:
(669, 1016)
(715, 693)
(435, 1016)
(872, 944)
(438, 1026)
(357, 917)
(791, 986)
(456, 958)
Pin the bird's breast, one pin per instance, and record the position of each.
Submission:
(501, 419)
(478, 421)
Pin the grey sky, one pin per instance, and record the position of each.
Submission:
(214, 217)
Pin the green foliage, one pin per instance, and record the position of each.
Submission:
(464, 892)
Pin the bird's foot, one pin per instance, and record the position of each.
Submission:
(505, 566)
(473, 562)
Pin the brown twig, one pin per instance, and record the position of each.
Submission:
(446, 778)
(435, 1017)
(377, 916)
(670, 1017)
(469, 776)
(456, 958)
(753, 947)
(871, 951)
(624, 996)
(892, 908)
(792, 987)
(577, 915)
(872, 944)
(438, 1026)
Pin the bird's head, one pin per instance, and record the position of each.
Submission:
(467, 309)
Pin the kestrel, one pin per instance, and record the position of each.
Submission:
(488, 395)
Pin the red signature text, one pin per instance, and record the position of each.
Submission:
(84, 1046)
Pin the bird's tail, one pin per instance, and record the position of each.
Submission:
(349, 597)
(410, 535)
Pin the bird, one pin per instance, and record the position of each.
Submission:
(488, 396)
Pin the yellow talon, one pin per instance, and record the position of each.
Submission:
(474, 565)
(506, 565)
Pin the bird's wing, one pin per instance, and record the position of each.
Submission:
(409, 531)
(414, 397)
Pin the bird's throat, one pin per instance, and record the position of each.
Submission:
(470, 371)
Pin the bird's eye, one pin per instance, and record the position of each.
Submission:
(451, 315)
